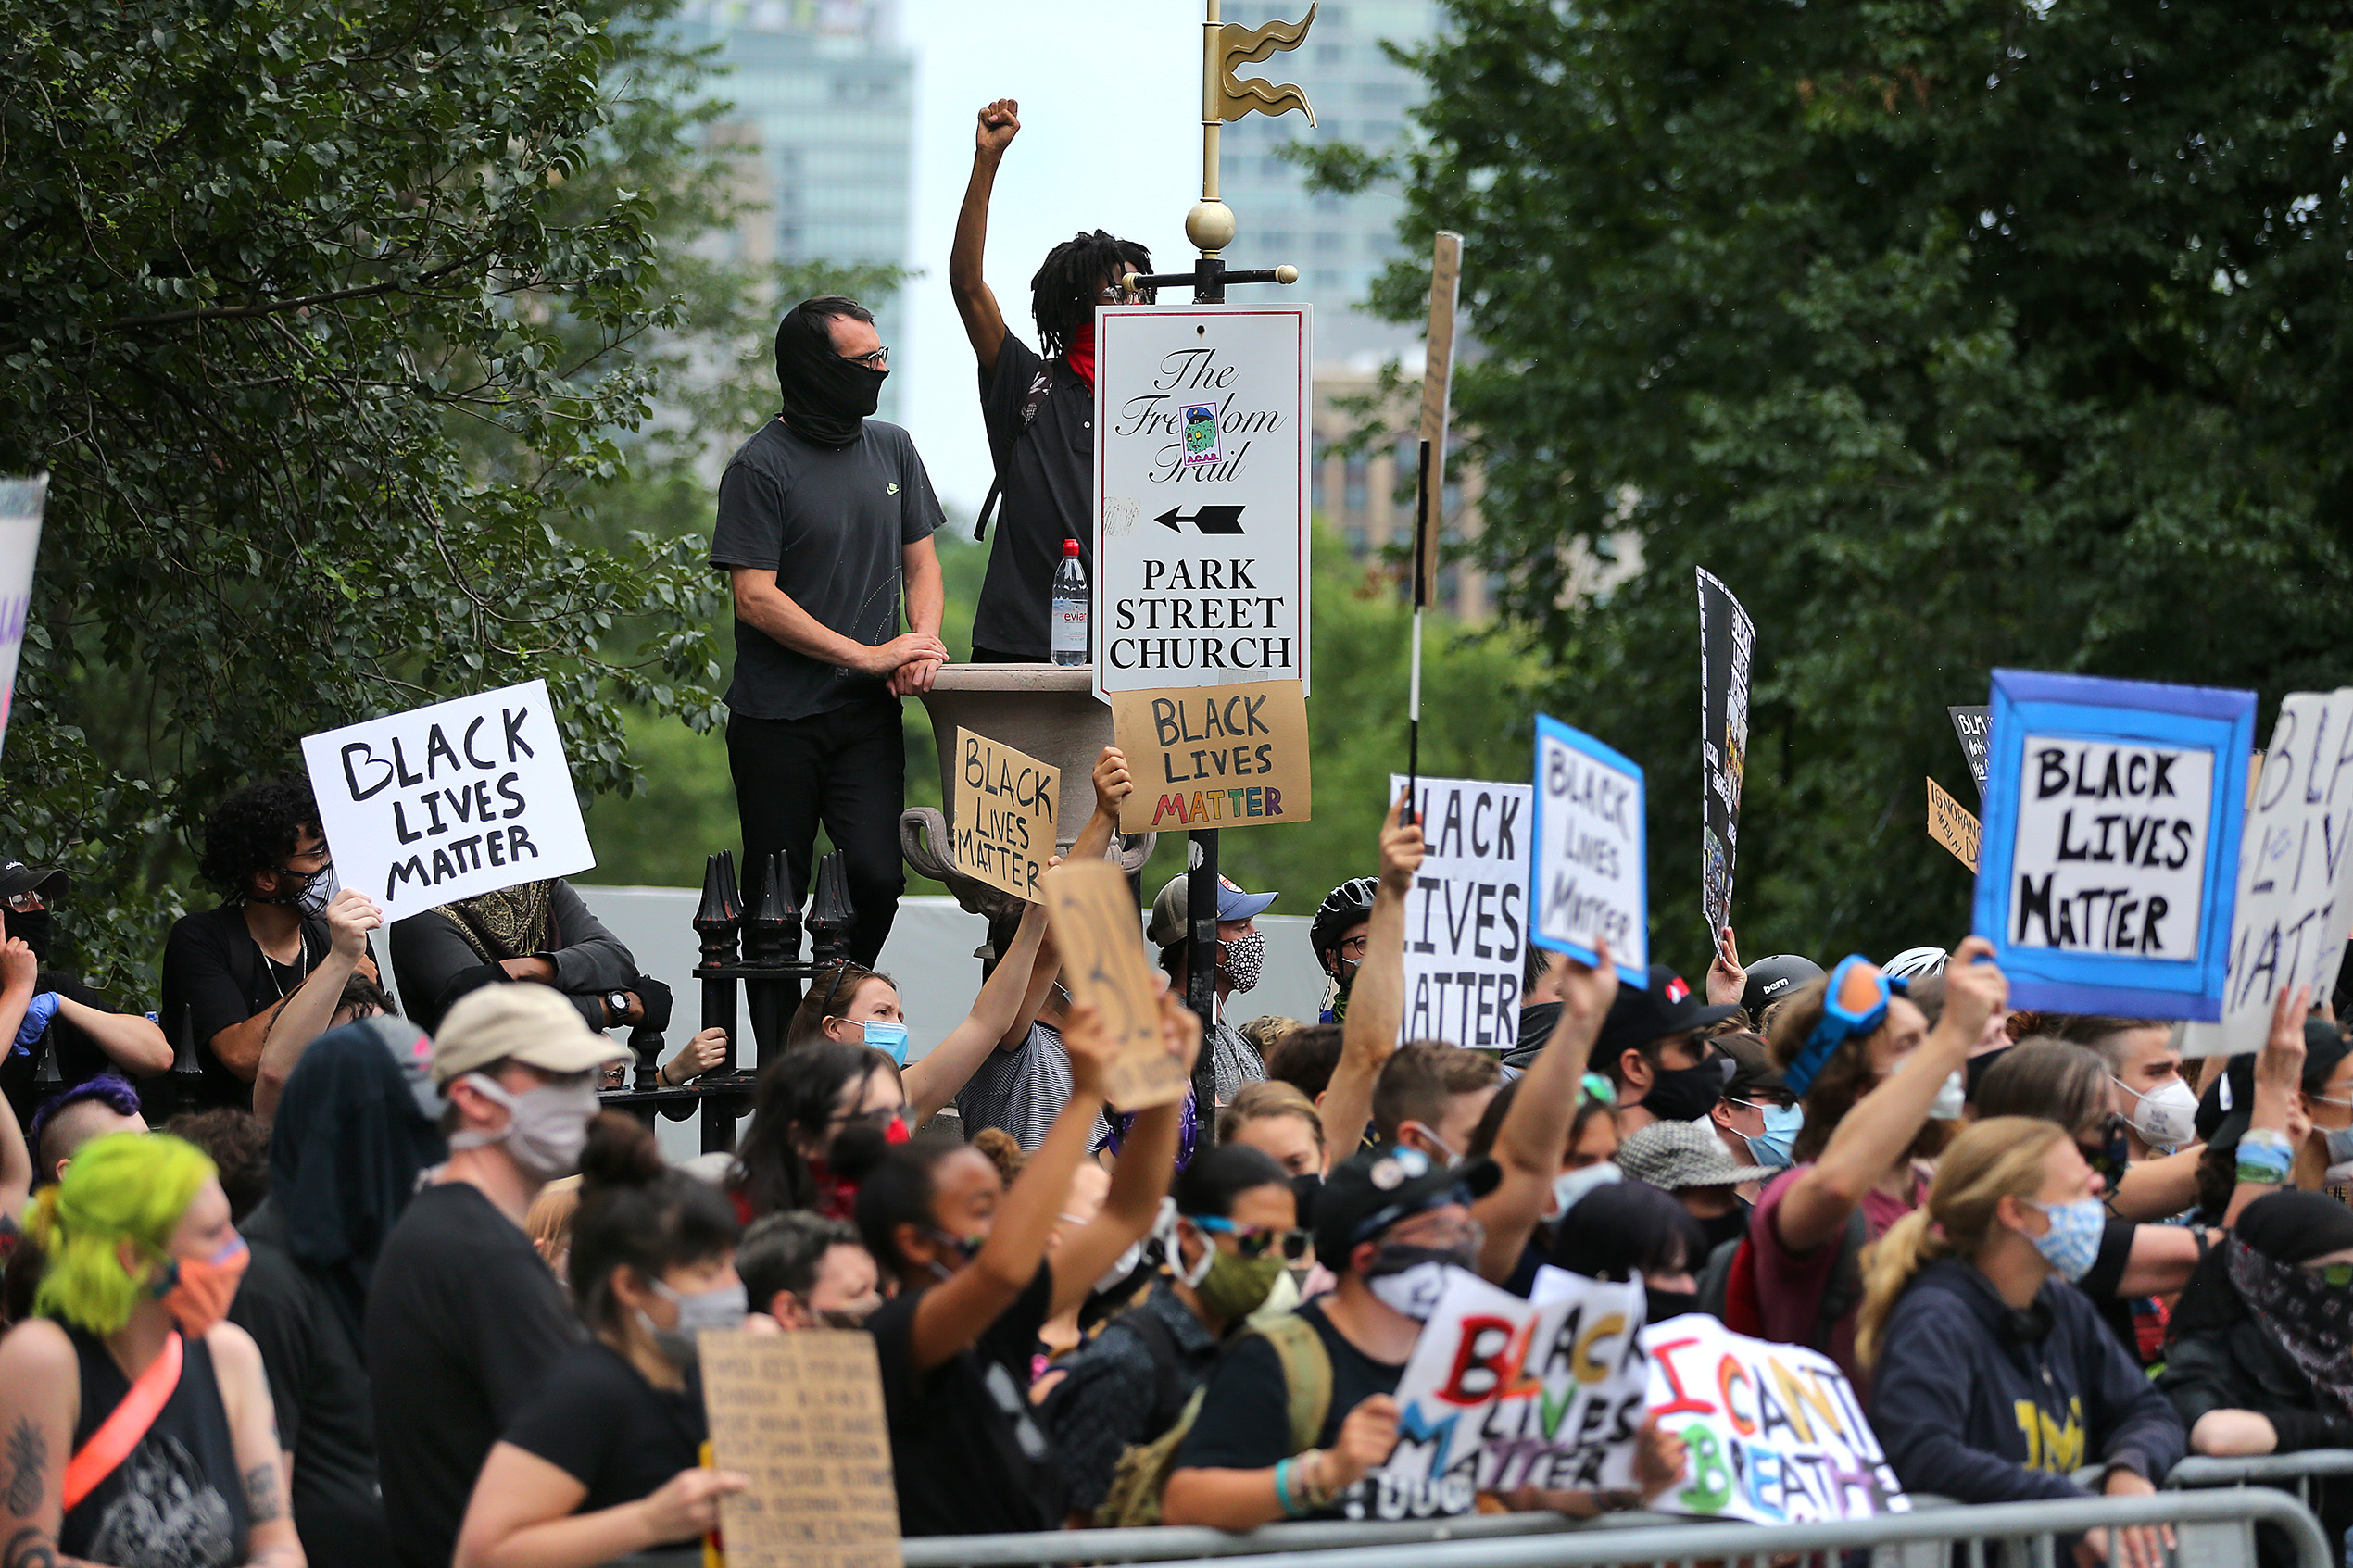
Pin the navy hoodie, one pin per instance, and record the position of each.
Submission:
(1970, 1409)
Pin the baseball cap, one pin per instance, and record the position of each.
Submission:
(1675, 1155)
(519, 1022)
(1369, 1192)
(1753, 1071)
(1666, 1006)
(1771, 979)
(1171, 910)
(411, 1050)
(48, 881)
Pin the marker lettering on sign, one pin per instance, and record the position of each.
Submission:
(2112, 847)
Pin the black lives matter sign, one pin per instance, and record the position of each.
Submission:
(2110, 853)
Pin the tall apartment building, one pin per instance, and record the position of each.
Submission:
(825, 110)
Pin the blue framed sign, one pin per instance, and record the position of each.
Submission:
(2109, 866)
(1586, 880)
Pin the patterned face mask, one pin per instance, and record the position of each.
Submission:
(1243, 960)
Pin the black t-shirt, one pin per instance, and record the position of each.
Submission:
(80, 1058)
(969, 1457)
(463, 1323)
(1245, 1422)
(177, 1497)
(597, 1420)
(830, 523)
(216, 976)
(319, 1386)
(1049, 480)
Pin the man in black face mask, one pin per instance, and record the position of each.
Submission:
(1651, 1049)
(63, 1018)
(825, 527)
(249, 983)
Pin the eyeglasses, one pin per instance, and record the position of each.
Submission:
(879, 360)
(1256, 1241)
(1117, 294)
(1855, 1004)
(320, 855)
(25, 903)
(1355, 947)
(881, 1116)
(1598, 1089)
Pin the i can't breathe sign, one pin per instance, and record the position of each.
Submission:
(444, 802)
(2111, 853)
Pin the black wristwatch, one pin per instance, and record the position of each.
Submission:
(616, 1009)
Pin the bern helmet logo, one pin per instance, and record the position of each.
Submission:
(1676, 989)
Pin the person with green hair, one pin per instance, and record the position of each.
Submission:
(135, 1422)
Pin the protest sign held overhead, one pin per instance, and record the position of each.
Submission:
(1003, 829)
(1952, 824)
(800, 1416)
(1466, 918)
(1587, 878)
(2294, 876)
(1201, 488)
(445, 801)
(21, 503)
(1091, 911)
(1503, 1393)
(1727, 650)
(1211, 757)
(1772, 1433)
(1973, 726)
(2109, 865)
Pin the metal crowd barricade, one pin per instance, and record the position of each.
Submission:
(2289, 1472)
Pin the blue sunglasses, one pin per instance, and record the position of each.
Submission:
(1855, 1005)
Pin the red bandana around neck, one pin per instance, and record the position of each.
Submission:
(1080, 354)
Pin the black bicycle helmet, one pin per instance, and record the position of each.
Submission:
(1771, 979)
(1349, 904)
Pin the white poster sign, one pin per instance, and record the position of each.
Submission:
(1201, 491)
(21, 501)
(1772, 1433)
(2296, 880)
(445, 801)
(1588, 878)
(1503, 1393)
(2120, 830)
(1466, 918)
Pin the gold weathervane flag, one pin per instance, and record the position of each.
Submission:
(1239, 45)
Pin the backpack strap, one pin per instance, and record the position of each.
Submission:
(1041, 385)
(1845, 1288)
(1307, 1376)
(1168, 1390)
(120, 1432)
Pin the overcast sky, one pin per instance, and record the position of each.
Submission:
(1110, 95)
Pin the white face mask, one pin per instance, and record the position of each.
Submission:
(1950, 1100)
(1411, 1293)
(545, 1127)
(1571, 1185)
(2167, 1115)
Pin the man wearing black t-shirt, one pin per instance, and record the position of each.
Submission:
(65, 1020)
(1039, 411)
(825, 519)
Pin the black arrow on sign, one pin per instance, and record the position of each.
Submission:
(1209, 520)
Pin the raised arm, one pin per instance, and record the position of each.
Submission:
(944, 1071)
(1377, 1001)
(18, 968)
(1534, 1136)
(288, 1029)
(2279, 1076)
(1112, 787)
(984, 323)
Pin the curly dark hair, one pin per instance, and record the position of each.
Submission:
(239, 1144)
(1062, 296)
(255, 830)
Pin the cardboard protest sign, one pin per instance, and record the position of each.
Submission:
(800, 1416)
(1091, 911)
(1201, 470)
(1502, 1393)
(445, 801)
(1774, 1434)
(2109, 867)
(2295, 877)
(1727, 650)
(1466, 918)
(1004, 828)
(1952, 824)
(1209, 757)
(22, 502)
(1586, 863)
(1972, 724)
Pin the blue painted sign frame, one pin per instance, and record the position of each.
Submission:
(1636, 972)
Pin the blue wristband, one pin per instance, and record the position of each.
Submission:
(2263, 1162)
(1282, 1489)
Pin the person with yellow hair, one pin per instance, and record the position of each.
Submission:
(1992, 1376)
(135, 1422)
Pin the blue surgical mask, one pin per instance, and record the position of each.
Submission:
(890, 1037)
(2073, 1243)
(1774, 1146)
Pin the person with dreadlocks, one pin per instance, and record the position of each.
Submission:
(1039, 411)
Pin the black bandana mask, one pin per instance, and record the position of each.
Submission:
(826, 397)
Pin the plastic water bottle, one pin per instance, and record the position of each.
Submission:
(1068, 613)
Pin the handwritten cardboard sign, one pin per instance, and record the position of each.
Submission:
(1588, 880)
(21, 504)
(2109, 863)
(1773, 1433)
(1952, 826)
(1205, 756)
(1004, 828)
(2295, 877)
(801, 1416)
(1727, 652)
(1091, 911)
(1502, 1393)
(448, 800)
(1466, 918)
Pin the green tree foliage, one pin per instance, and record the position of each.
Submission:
(1952, 336)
